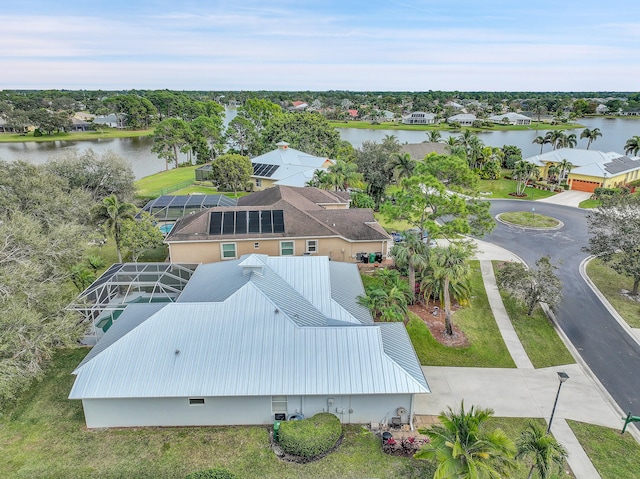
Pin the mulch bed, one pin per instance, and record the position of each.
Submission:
(435, 323)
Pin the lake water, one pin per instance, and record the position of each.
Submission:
(615, 133)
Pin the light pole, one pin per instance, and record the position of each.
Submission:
(562, 377)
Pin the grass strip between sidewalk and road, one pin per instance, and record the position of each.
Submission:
(609, 282)
(476, 321)
(613, 455)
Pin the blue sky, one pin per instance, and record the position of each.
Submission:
(404, 45)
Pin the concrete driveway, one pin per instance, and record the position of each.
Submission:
(567, 198)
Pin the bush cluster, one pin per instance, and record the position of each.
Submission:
(310, 437)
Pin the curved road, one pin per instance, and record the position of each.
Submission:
(612, 355)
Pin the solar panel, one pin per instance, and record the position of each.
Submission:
(254, 222)
(266, 222)
(264, 170)
(215, 223)
(241, 222)
(228, 222)
(278, 221)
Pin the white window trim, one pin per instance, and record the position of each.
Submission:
(317, 244)
(279, 404)
(293, 249)
(235, 251)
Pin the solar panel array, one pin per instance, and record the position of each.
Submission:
(243, 222)
(264, 170)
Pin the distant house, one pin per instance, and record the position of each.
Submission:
(286, 166)
(300, 105)
(353, 114)
(510, 118)
(252, 341)
(463, 119)
(78, 124)
(591, 168)
(280, 221)
(419, 118)
(453, 104)
(107, 120)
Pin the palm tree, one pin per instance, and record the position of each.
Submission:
(402, 165)
(111, 214)
(374, 300)
(342, 175)
(540, 140)
(632, 146)
(542, 449)
(463, 449)
(413, 253)
(590, 135)
(569, 141)
(522, 173)
(565, 167)
(556, 138)
(553, 172)
(450, 265)
(434, 136)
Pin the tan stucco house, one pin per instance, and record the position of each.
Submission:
(280, 221)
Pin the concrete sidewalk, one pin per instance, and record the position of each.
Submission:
(525, 391)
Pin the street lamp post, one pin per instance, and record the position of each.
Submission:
(562, 377)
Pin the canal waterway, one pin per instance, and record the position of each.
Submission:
(137, 151)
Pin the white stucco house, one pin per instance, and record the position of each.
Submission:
(510, 118)
(251, 341)
(419, 118)
(464, 119)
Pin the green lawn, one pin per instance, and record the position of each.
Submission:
(487, 349)
(75, 136)
(610, 283)
(590, 204)
(529, 219)
(153, 185)
(45, 436)
(613, 455)
(537, 335)
(502, 187)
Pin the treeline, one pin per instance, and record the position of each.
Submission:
(46, 227)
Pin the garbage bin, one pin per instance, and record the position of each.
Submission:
(378, 257)
(276, 430)
(372, 257)
(365, 258)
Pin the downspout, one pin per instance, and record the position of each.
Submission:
(411, 412)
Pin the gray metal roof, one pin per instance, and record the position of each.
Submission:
(280, 332)
(345, 290)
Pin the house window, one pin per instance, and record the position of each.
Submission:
(312, 246)
(258, 182)
(228, 250)
(286, 248)
(196, 401)
(256, 245)
(279, 404)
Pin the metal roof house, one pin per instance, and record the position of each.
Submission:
(510, 118)
(285, 166)
(251, 341)
(591, 168)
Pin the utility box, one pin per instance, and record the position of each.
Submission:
(276, 430)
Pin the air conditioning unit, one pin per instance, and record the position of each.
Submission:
(401, 411)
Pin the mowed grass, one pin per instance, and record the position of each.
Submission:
(589, 204)
(502, 187)
(537, 335)
(45, 436)
(529, 219)
(75, 135)
(610, 283)
(486, 349)
(614, 456)
(150, 185)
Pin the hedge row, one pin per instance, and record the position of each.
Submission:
(310, 437)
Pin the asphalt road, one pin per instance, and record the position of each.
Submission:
(611, 354)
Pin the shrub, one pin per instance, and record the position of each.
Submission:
(211, 474)
(310, 437)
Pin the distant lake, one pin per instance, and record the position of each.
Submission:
(137, 151)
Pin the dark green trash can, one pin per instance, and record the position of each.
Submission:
(372, 258)
(276, 430)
